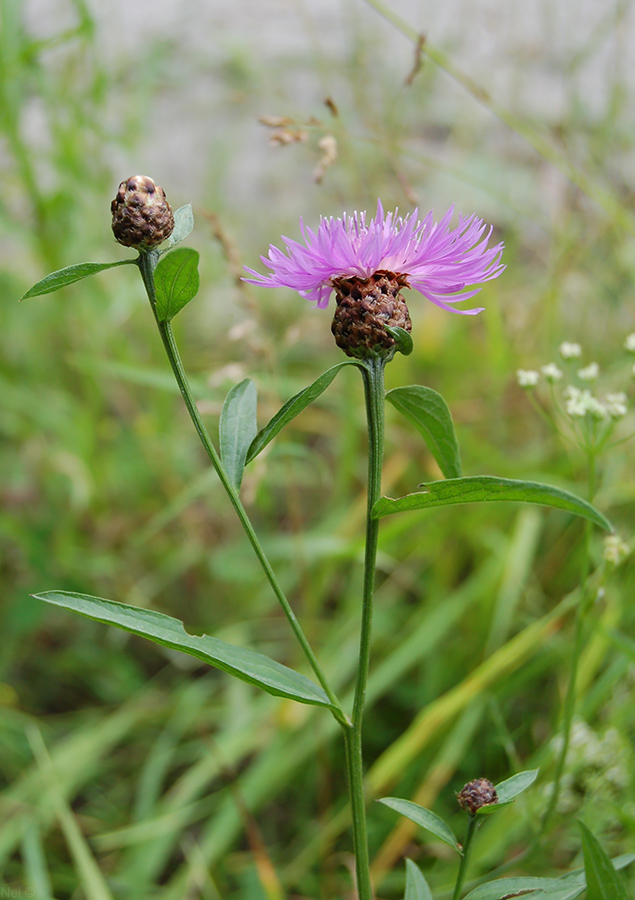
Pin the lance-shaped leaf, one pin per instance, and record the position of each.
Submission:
(70, 275)
(176, 282)
(293, 407)
(430, 414)
(416, 885)
(602, 880)
(516, 887)
(508, 790)
(249, 666)
(425, 818)
(487, 488)
(237, 428)
(183, 224)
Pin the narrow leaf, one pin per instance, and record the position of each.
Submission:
(514, 887)
(249, 666)
(293, 407)
(183, 224)
(176, 281)
(430, 414)
(237, 428)
(485, 488)
(425, 819)
(416, 885)
(515, 785)
(403, 339)
(603, 882)
(70, 275)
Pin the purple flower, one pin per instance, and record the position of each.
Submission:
(438, 261)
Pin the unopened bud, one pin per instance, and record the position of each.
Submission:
(141, 216)
(476, 794)
(364, 307)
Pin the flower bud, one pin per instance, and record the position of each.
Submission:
(141, 216)
(364, 307)
(476, 794)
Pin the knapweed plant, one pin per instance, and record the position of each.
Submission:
(367, 263)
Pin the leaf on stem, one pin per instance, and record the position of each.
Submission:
(603, 881)
(183, 224)
(516, 887)
(402, 338)
(293, 407)
(430, 414)
(247, 665)
(425, 818)
(486, 488)
(237, 429)
(176, 282)
(416, 885)
(70, 275)
(508, 790)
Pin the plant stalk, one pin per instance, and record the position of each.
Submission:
(373, 375)
(147, 263)
(467, 846)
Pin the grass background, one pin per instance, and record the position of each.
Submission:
(129, 772)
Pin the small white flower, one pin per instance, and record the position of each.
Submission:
(551, 372)
(616, 405)
(579, 403)
(615, 549)
(590, 372)
(629, 343)
(569, 350)
(527, 378)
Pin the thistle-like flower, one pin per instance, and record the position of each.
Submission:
(141, 215)
(476, 794)
(367, 265)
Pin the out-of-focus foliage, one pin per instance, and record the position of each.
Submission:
(130, 772)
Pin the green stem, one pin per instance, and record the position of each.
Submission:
(147, 263)
(373, 374)
(467, 846)
(569, 705)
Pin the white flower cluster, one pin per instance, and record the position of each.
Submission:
(579, 402)
(615, 549)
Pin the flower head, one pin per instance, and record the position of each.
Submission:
(590, 372)
(551, 372)
(527, 378)
(141, 215)
(570, 350)
(441, 263)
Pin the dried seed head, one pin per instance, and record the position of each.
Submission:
(364, 307)
(477, 793)
(141, 215)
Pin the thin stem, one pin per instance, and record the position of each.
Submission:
(569, 705)
(373, 375)
(147, 263)
(467, 846)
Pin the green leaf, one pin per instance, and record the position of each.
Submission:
(516, 886)
(249, 666)
(183, 224)
(515, 785)
(237, 428)
(603, 882)
(293, 407)
(176, 282)
(402, 338)
(430, 414)
(416, 885)
(485, 488)
(425, 819)
(70, 275)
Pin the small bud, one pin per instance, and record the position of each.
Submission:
(590, 372)
(570, 350)
(364, 307)
(476, 794)
(551, 372)
(527, 378)
(141, 215)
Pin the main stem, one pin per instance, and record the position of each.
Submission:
(147, 264)
(373, 375)
(467, 846)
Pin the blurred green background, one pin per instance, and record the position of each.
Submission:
(129, 772)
